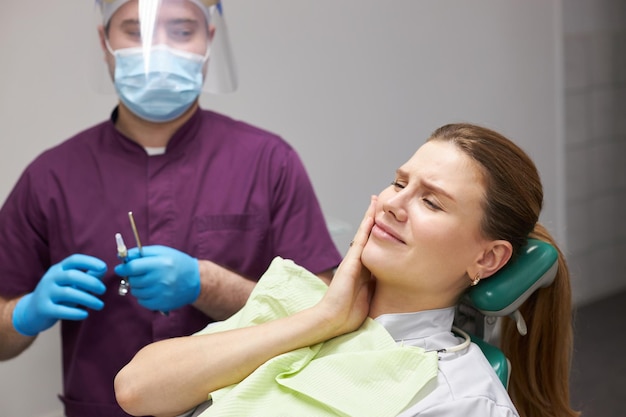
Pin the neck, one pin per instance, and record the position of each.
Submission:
(404, 300)
(146, 133)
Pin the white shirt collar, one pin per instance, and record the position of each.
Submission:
(429, 329)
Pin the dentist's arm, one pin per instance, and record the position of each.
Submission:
(224, 292)
(12, 343)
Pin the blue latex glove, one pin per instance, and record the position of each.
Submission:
(163, 278)
(63, 293)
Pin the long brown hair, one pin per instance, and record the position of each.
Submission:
(541, 360)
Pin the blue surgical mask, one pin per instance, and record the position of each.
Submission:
(163, 89)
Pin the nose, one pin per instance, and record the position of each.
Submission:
(396, 206)
(160, 36)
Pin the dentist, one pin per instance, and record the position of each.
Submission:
(215, 200)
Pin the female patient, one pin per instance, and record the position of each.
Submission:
(455, 214)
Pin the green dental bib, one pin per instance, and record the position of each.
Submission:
(363, 373)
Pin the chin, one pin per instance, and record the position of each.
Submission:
(388, 264)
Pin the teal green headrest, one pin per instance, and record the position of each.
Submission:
(503, 293)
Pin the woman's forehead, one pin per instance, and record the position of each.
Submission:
(440, 155)
(445, 164)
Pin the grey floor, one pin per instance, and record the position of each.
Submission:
(598, 380)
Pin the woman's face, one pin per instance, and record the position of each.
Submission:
(426, 238)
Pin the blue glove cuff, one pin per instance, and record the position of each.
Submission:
(18, 317)
(196, 292)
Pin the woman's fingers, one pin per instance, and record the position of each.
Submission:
(352, 260)
(346, 302)
(351, 275)
(363, 232)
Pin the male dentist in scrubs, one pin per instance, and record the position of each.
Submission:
(214, 200)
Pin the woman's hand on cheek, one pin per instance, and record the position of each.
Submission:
(347, 300)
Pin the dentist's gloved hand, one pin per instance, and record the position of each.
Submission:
(66, 290)
(163, 279)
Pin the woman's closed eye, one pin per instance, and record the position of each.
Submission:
(428, 201)
(396, 184)
(431, 204)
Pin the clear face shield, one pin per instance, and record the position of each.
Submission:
(163, 53)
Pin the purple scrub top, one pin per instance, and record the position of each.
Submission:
(223, 191)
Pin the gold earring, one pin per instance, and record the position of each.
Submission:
(476, 279)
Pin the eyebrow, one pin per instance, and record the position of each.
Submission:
(174, 21)
(129, 22)
(428, 185)
(182, 21)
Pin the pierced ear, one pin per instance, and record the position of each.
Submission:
(495, 257)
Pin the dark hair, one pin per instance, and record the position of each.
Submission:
(541, 360)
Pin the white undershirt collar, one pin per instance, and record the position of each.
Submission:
(154, 150)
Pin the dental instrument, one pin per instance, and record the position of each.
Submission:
(138, 241)
(134, 227)
(122, 253)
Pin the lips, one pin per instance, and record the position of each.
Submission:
(385, 232)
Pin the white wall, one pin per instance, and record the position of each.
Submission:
(355, 85)
(595, 145)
